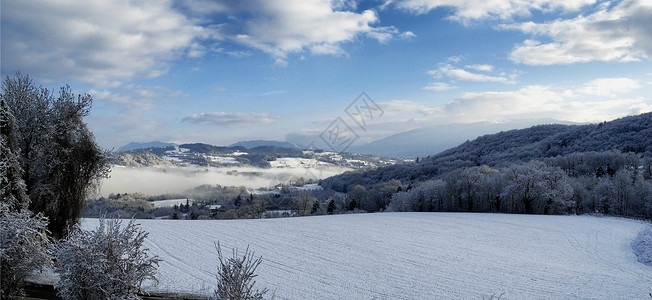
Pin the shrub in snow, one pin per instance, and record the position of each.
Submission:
(235, 278)
(642, 246)
(106, 263)
(24, 248)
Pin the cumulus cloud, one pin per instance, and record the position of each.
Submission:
(281, 27)
(481, 68)
(224, 119)
(134, 100)
(475, 73)
(535, 102)
(528, 102)
(610, 86)
(468, 10)
(96, 41)
(619, 33)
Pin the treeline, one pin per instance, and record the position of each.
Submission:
(611, 183)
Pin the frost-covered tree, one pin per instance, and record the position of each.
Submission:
(428, 196)
(536, 188)
(235, 278)
(12, 186)
(303, 203)
(24, 248)
(109, 262)
(58, 155)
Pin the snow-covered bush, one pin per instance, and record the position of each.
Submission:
(235, 278)
(24, 248)
(109, 262)
(642, 246)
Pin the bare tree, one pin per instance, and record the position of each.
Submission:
(235, 278)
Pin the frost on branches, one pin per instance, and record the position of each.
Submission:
(642, 246)
(24, 248)
(106, 263)
(235, 279)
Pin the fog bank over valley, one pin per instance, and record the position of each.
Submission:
(164, 180)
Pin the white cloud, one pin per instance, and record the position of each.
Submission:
(224, 119)
(438, 86)
(621, 33)
(481, 68)
(274, 92)
(282, 27)
(407, 35)
(535, 102)
(461, 74)
(327, 49)
(96, 41)
(467, 10)
(609, 86)
(455, 73)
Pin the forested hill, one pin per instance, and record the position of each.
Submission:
(629, 134)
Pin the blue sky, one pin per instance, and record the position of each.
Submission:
(223, 71)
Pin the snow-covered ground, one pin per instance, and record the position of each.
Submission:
(296, 162)
(412, 256)
(223, 159)
(309, 187)
(171, 202)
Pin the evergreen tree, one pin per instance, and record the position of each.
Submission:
(237, 201)
(352, 204)
(331, 207)
(315, 207)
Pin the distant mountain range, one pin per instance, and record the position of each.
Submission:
(629, 134)
(414, 143)
(260, 143)
(135, 146)
(262, 156)
(434, 139)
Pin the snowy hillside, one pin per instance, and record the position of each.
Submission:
(412, 256)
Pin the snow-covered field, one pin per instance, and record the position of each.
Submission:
(412, 256)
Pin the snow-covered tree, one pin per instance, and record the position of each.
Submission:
(58, 155)
(12, 186)
(109, 262)
(428, 196)
(235, 278)
(536, 188)
(24, 248)
(303, 203)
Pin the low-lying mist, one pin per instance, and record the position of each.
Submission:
(175, 180)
